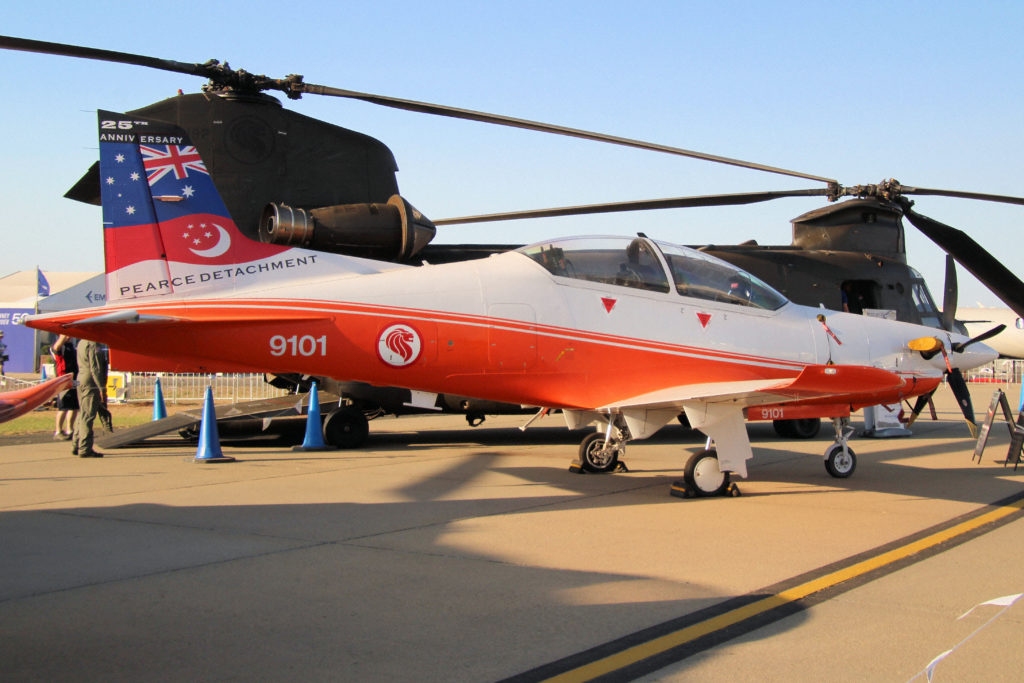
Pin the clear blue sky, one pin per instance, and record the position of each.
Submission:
(927, 92)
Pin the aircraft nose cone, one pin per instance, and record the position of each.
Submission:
(973, 356)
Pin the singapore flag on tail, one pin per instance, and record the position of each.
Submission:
(166, 229)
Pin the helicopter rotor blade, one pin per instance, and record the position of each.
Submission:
(949, 295)
(294, 87)
(972, 256)
(501, 120)
(63, 49)
(639, 205)
(1001, 198)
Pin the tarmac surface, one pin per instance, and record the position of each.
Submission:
(441, 552)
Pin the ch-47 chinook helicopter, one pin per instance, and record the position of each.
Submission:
(292, 180)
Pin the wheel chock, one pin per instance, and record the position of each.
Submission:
(680, 489)
(576, 467)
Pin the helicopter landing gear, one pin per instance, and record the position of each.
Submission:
(840, 460)
(601, 452)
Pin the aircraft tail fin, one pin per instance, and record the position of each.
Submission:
(166, 228)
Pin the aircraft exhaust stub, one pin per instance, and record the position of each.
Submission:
(393, 230)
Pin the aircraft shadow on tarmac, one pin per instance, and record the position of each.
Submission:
(882, 463)
(362, 575)
(376, 563)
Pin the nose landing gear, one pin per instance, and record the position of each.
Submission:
(840, 460)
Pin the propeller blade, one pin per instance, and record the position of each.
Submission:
(957, 348)
(972, 256)
(958, 384)
(922, 401)
(639, 205)
(1002, 198)
(949, 295)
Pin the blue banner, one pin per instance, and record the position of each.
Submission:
(20, 340)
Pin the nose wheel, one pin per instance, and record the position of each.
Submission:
(840, 460)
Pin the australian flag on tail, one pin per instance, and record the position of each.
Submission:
(164, 220)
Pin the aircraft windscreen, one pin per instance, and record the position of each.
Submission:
(703, 276)
(610, 260)
(632, 262)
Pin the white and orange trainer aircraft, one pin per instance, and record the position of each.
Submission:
(624, 332)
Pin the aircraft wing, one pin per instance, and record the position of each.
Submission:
(814, 382)
(716, 408)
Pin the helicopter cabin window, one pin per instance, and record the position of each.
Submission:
(609, 260)
(923, 301)
(703, 276)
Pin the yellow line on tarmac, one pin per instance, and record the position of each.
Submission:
(638, 653)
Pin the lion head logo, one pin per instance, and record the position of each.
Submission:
(398, 345)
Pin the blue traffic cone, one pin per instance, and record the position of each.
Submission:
(159, 410)
(209, 443)
(44, 372)
(314, 439)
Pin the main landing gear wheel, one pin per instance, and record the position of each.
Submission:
(595, 457)
(702, 475)
(346, 428)
(840, 463)
(797, 429)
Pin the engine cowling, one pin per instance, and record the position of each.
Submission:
(394, 231)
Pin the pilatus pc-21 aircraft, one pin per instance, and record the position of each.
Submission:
(624, 332)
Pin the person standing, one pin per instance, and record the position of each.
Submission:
(92, 395)
(3, 355)
(65, 361)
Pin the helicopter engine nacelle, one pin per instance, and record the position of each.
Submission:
(395, 230)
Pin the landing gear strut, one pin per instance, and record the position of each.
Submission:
(840, 460)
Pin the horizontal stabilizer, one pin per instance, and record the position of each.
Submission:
(20, 401)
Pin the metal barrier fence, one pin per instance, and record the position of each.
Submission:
(1002, 370)
(141, 386)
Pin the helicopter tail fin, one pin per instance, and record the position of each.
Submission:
(166, 230)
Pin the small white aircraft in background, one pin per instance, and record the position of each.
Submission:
(1010, 342)
(627, 332)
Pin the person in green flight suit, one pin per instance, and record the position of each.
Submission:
(92, 396)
